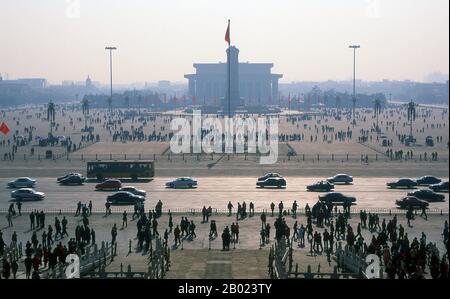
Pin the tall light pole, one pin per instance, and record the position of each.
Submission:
(354, 47)
(111, 75)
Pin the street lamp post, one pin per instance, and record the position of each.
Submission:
(354, 47)
(110, 49)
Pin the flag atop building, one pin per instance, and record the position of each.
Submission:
(227, 34)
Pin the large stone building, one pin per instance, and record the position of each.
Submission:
(251, 83)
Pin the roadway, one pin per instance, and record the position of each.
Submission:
(371, 193)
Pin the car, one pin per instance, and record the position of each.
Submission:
(269, 175)
(272, 182)
(73, 180)
(22, 183)
(27, 194)
(427, 195)
(428, 180)
(336, 198)
(109, 185)
(441, 187)
(402, 183)
(124, 198)
(411, 201)
(341, 179)
(133, 190)
(182, 183)
(322, 186)
(68, 175)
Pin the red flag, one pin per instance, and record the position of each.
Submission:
(227, 34)
(4, 128)
(193, 99)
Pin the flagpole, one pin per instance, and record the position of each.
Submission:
(229, 69)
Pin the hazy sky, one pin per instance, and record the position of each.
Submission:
(160, 39)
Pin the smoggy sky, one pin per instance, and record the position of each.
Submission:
(160, 39)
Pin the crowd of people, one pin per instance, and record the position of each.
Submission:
(48, 251)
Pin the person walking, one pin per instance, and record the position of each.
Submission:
(424, 213)
(124, 219)
(9, 218)
(230, 208)
(113, 234)
(64, 227)
(14, 268)
(19, 207)
(176, 234)
(272, 208)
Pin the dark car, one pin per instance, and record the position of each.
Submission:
(322, 186)
(411, 202)
(109, 185)
(336, 198)
(73, 180)
(428, 195)
(134, 190)
(441, 187)
(67, 176)
(272, 182)
(428, 180)
(269, 175)
(402, 183)
(124, 198)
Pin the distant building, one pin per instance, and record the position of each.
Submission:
(250, 82)
(32, 83)
(164, 84)
(88, 83)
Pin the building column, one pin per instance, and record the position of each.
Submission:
(274, 90)
(191, 87)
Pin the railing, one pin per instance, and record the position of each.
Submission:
(158, 260)
(317, 275)
(224, 212)
(169, 157)
(350, 260)
(279, 254)
(116, 275)
(91, 259)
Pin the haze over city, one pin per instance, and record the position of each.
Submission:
(156, 40)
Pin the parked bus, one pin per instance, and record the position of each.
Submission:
(120, 169)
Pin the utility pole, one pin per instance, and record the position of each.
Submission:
(111, 76)
(354, 47)
(229, 68)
